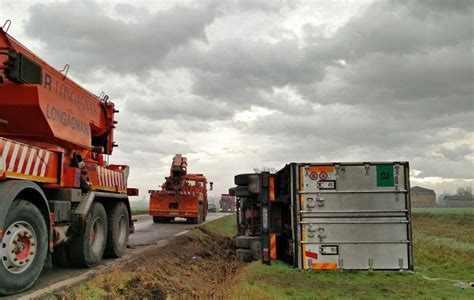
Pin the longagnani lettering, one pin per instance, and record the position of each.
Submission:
(55, 114)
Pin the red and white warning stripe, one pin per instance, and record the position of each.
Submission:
(22, 159)
(324, 266)
(110, 178)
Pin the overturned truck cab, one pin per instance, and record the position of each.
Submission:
(327, 216)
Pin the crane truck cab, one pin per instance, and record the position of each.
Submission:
(60, 201)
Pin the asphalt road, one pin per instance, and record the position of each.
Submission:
(146, 233)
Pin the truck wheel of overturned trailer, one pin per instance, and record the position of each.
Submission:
(244, 255)
(243, 179)
(23, 248)
(87, 248)
(242, 191)
(246, 242)
(118, 230)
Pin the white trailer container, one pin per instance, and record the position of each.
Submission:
(344, 215)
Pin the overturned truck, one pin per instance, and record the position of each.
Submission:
(327, 216)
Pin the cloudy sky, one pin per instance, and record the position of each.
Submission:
(235, 85)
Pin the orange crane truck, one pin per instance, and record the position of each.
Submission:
(60, 201)
(182, 195)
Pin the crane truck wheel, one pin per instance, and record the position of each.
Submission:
(87, 248)
(118, 231)
(200, 214)
(198, 219)
(23, 248)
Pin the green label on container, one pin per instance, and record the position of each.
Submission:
(385, 175)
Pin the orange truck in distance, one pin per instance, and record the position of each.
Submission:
(60, 200)
(182, 195)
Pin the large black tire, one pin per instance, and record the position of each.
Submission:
(61, 256)
(256, 250)
(198, 219)
(244, 255)
(195, 220)
(22, 218)
(242, 191)
(156, 220)
(243, 241)
(202, 217)
(244, 202)
(117, 230)
(243, 179)
(86, 249)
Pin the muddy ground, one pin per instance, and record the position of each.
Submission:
(199, 264)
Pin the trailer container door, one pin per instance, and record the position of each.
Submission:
(354, 216)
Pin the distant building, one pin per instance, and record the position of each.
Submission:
(458, 201)
(422, 197)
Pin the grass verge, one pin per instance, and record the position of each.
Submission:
(444, 210)
(139, 212)
(226, 226)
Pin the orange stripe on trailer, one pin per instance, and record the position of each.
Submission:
(324, 266)
(271, 189)
(318, 169)
(273, 244)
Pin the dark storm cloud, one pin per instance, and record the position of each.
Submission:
(458, 153)
(82, 32)
(390, 50)
(237, 70)
(402, 27)
(85, 35)
(179, 107)
(140, 144)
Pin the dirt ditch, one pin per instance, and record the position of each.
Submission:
(199, 264)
